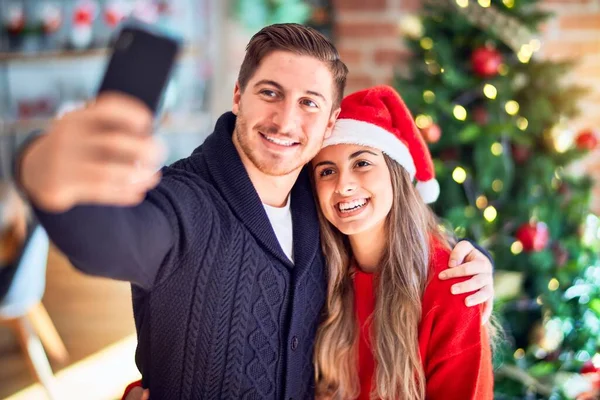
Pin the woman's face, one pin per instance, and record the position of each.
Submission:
(353, 187)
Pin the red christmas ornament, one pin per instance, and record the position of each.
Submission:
(83, 16)
(533, 236)
(520, 153)
(486, 61)
(587, 140)
(588, 367)
(432, 133)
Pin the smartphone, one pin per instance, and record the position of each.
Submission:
(141, 63)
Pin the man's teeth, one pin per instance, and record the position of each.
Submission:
(352, 205)
(279, 141)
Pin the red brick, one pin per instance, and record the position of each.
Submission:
(411, 5)
(366, 29)
(362, 5)
(390, 56)
(566, 49)
(590, 21)
(358, 81)
(351, 56)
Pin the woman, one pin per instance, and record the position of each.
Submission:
(392, 329)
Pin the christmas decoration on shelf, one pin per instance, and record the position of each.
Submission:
(84, 14)
(50, 18)
(486, 61)
(503, 165)
(115, 12)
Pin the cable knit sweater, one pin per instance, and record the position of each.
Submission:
(221, 312)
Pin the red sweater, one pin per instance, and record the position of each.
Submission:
(453, 344)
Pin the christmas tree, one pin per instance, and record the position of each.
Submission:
(497, 120)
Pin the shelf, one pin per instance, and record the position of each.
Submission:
(72, 54)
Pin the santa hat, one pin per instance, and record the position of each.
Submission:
(378, 118)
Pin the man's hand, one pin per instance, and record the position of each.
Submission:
(465, 261)
(102, 154)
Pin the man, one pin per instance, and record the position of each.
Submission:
(223, 253)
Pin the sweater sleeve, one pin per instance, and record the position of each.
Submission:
(454, 345)
(135, 244)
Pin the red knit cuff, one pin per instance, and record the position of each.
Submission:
(130, 387)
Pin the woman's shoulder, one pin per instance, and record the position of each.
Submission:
(438, 292)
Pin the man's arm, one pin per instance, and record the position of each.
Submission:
(88, 177)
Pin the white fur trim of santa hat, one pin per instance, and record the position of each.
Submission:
(352, 131)
(429, 190)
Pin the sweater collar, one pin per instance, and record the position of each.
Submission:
(232, 181)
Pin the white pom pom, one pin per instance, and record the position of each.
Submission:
(429, 190)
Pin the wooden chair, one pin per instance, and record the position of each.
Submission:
(23, 311)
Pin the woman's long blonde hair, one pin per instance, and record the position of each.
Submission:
(402, 277)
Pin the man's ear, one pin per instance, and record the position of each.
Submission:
(331, 122)
(237, 96)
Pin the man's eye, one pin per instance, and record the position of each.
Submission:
(309, 103)
(268, 93)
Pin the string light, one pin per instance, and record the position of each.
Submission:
(490, 91)
(539, 301)
(490, 214)
(423, 121)
(525, 53)
(511, 107)
(497, 185)
(553, 284)
(484, 3)
(503, 69)
(426, 43)
(428, 96)
(460, 113)
(481, 202)
(519, 354)
(460, 231)
(516, 247)
(463, 3)
(459, 175)
(497, 149)
(522, 123)
(433, 69)
(509, 3)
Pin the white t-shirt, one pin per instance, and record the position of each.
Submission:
(281, 220)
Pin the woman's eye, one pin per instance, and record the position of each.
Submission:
(326, 172)
(363, 164)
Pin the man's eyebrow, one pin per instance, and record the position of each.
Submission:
(279, 87)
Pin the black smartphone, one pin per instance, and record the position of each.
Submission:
(141, 63)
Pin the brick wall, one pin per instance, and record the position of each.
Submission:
(368, 39)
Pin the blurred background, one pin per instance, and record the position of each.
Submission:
(506, 92)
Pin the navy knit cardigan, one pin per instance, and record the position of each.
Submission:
(221, 312)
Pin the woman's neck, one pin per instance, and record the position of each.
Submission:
(368, 248)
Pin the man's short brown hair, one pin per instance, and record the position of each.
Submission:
(297, 39)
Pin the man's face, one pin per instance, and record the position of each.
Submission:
(284, 113)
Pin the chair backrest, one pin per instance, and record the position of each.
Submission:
(29, 280)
